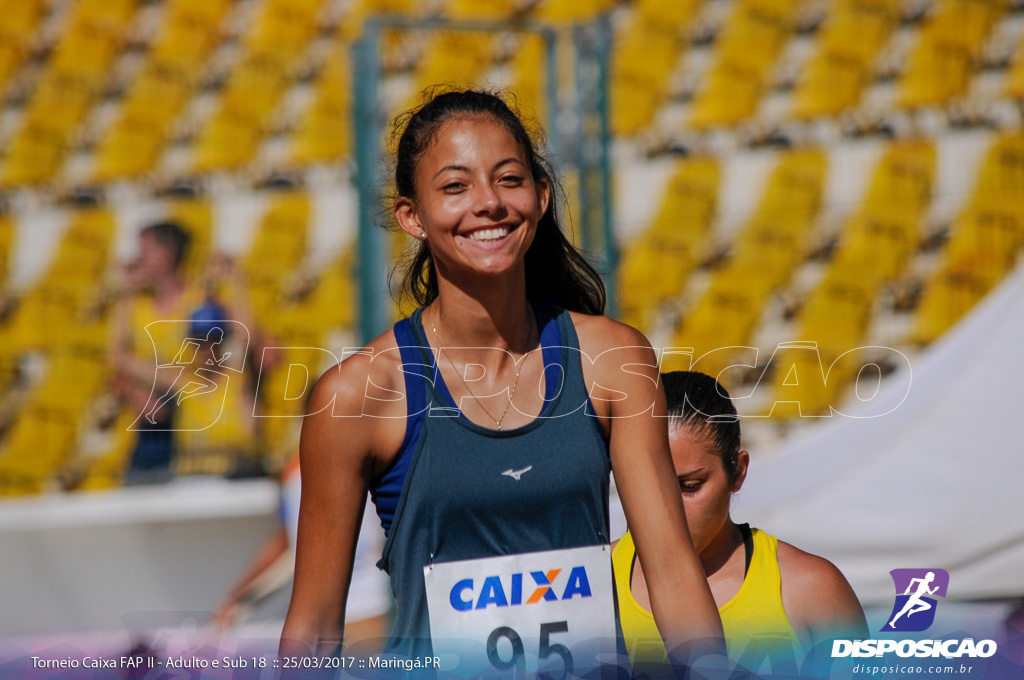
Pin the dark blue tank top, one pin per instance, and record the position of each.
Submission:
(446, 496)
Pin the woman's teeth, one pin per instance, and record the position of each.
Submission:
(489, 234)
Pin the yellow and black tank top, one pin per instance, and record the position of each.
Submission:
(757, 630)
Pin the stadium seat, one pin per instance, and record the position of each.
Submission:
(843, 64)
(942, 62)
(277, 249)
(643, 60)
(325, 133)
(656, 266)
(18, 22)
(984, 244)
(37, 444)
(744, 55)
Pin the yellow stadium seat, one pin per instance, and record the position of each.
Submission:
(278, 248)
(33, 156)
(38, 442)
(334, 297)
(18, 22)
(728, 96)
(654, 269)
(843, 65)
(948, 295)
(942, 62)
(325, 133)
(283, 28)
(642, 63)
(130, 149)
(829, 84)
(984, 245)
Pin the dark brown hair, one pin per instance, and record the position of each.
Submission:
(699, 402)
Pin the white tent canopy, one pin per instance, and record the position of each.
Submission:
(937, 482)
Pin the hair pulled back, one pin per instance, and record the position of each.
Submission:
(699, 403)
(555, 270)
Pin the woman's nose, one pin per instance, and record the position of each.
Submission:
(488, 201)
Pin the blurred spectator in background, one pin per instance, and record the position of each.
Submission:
(193, 415)
(153, 288)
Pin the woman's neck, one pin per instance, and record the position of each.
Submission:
(492, 315)
(721, 548)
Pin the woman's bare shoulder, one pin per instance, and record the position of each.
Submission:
(599, 334)
(377, 364)
(816, 595)
(361, 401)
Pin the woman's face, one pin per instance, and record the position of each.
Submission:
(702, 480)
(475, 198)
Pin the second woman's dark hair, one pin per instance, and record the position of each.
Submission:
(699, 402)
(555, 270)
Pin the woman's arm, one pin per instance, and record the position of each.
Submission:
(334, 455)
(681, 600)
(817, 598)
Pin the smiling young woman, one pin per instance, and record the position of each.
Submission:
(516, 473)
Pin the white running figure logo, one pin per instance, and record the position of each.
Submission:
(214, 337)
(915, 603)
(516, 474)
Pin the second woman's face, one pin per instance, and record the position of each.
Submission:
(475, 198)
(702, 480)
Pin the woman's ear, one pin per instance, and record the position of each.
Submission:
(543, 195)
(742, 463)
(405, 214)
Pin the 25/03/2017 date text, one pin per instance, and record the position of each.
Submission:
(407, 664)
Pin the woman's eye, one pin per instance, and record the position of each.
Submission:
(453, 187)
(513, 180)
(689, 485)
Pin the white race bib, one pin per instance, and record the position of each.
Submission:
(548, 613)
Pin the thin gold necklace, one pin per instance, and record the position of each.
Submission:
(512, 394)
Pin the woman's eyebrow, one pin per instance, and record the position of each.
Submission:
(510, 159)
(459, 168)
(689, 472)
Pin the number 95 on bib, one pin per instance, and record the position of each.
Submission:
(549, 615)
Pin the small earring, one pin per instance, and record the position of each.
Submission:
(423, 234)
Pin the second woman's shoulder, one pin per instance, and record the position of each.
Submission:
(816, 596)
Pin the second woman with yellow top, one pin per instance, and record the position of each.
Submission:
(775, 600)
